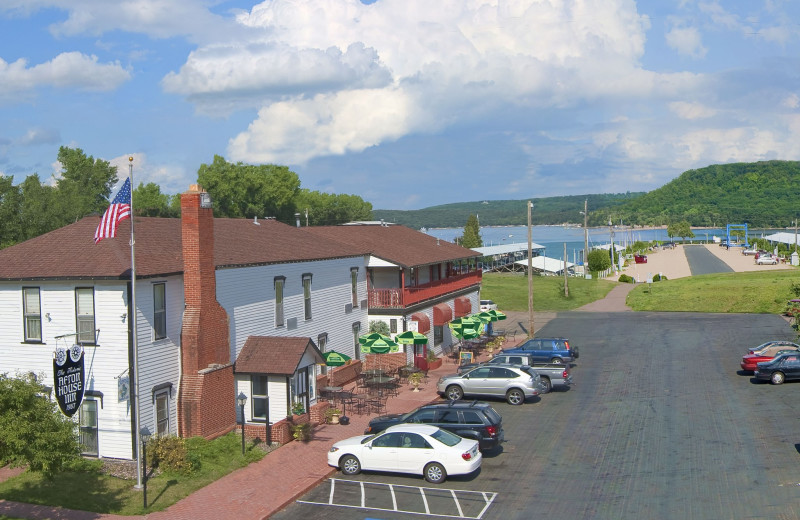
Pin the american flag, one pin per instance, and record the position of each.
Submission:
(119, 210)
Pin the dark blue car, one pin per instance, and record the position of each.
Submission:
(547, 350)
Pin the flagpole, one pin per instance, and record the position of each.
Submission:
(135, 340)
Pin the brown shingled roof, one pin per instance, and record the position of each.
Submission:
(398, 244)
(273, 355)
(70, 252)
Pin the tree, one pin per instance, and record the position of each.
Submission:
(331, 209)
(10, 200)
(472, 233)
(246, 191)
(148, 201)
(598, 260)
(680, 229)
(381, 327)
(35, 433)
(84, 186)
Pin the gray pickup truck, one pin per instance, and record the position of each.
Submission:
(553, 375)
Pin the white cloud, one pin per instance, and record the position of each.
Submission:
(171, 179)
(37, 136)
(686, 41)
(67, 70)
(686, 110)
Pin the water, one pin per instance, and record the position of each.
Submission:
(554, 237)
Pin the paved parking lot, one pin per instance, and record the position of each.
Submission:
(660, 424)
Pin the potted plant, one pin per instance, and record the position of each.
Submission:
(333, 414)
(301, 432)
(298, 408)
(433, 361)
(414, 380)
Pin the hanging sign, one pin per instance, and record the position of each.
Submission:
(69, 378)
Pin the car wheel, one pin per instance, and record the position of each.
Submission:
(548, 386)
(435, 473)
(777, 378)
(454, 392)
(556, 361)
(515, 396)
(350, 465)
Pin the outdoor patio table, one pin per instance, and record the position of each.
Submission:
(373, 372)
(329, 392)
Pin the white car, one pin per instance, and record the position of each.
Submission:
(767, 258)
(420, 449)
(488, 305)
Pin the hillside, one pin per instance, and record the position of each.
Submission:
(546, 210)
(761, 194)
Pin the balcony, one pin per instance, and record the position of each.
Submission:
(397, 298)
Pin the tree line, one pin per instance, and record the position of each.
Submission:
(33, 207)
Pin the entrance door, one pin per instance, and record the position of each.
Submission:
(88, 427)
(421, 356)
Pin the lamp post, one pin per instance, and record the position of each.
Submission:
(144, 435)
(242, 400)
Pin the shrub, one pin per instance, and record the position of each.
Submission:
(302, 431)
(599, 260)
(169, 453)
(659, 277)
(626, 279)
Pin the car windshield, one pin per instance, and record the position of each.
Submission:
(367, 439)
(445, 437)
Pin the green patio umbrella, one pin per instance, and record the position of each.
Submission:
(411, 337)
(372, 336)
(498, 314)
(335, 359)
(465, 328)
(381, 345)
(484, 317)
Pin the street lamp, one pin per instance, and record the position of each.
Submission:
(144, 434)
(242, 400)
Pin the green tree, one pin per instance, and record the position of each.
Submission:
(381, 327)
(599, 260)
(680, 229)
(246, 191)
(148, 201)
(10, 200)
(472, 233)
(35, 433)
(41, 209)
(85, 185)
(331, 209)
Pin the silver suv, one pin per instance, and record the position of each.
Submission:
(510, 382)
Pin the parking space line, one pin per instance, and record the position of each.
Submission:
(488, 498)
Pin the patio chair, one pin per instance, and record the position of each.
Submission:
(377, 403)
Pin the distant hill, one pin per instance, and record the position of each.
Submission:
(761, 194)
(546, 210)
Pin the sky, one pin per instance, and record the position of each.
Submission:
(405, 103)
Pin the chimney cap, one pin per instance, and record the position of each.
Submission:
(196, 188)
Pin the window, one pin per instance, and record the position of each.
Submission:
(438, 334)
(449, 417)
(279, 283)
(162, 413)
(88, 427)
(32, 313)
(393, 326)
(84, 314)
(258, 401)
(354, 285)
(356, 333)
(424, 417)
(301, 390)
(307, 295)
(472, 417)
(159, 311)
(322, 343)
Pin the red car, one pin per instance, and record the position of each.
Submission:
(640, 259)
(750, 361)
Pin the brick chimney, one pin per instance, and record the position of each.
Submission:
(207, 397)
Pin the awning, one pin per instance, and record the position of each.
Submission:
(423, 322)
(463, 306)
(442, 313)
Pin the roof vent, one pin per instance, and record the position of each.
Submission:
(255, 221)
(437, 241)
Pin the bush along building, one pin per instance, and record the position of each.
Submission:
(223, 307)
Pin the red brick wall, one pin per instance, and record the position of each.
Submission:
(207, 403)
(340, 376)
(385, 362)
(281, 431)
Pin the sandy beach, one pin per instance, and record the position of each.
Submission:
(672, 263)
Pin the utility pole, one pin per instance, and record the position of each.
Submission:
(795, 233)
(611, 231)
(566, 287)
(530, 274)
(585, 238)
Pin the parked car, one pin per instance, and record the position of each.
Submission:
(750, 361)
(750, 252)
(471, 420)
(512, 383)
(640, 259)
(766, 258)
(547, 350)
(419, 449)
(488, 305)
(552, 376)
(779, 369)
(759, 348)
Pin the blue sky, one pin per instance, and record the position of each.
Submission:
(405, 103)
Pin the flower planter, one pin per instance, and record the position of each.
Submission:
(433, 365)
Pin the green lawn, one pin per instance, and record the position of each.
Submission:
(510, 291)
(756, 292)
(96, 492)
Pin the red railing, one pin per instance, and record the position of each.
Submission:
(398, 298)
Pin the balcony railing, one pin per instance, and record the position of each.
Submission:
(397, 298)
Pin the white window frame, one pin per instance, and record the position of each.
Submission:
(159, 314)
(82, 317)
(31, 316)
(258, 397)
(162, 397)
(307, 295)
(93, 429)
(354, 285)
